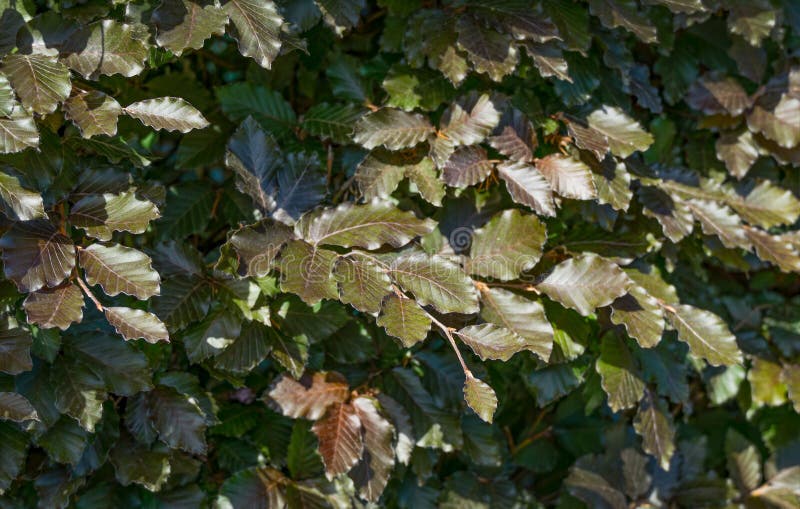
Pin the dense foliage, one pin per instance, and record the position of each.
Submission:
(418, 253)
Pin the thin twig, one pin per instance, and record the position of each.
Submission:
(89, 294)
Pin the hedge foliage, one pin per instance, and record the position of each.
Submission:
(412, 253)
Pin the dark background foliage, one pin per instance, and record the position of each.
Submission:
(338, 253)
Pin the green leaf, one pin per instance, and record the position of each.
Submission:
(178, 419)
(123, 369)
(102, 214)
(211, 336)
(186, 24)
(302, 457)
(435, 281)
(508, 245)
(641, 314)
(585, 283)
(65, 441)
(104, 48)
(187, 211)
(523, 317)
(134, 324)
(480, 397)
(619, 374)
(706, 334)
(362, 283)
(256, 488)
(394, 129)
(119, 269)
(782, 250)
(653, 423)
(623, 134)
(36, 255)
(332, 121)
(15, 407)
(404, 319)
(15, 346)
(765, 385)
(341, 14)
(767, 205)
(257, 28)
(719, 220)
(267, 107)
(340, 441)
(136, 464)
(183, 300)
(93, 112)
(58, 307)
(790, 376)
(369, 226)
(170, 113)
(17, 202)
(528, 187)
(41, 82)
(78, 393)
(594, 489)
(17, 133)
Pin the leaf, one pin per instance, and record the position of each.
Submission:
(178, 419)
(528, 187)
(641, 314)
(775, 115)
(585, 283)
(491, 342)
(247, 351)
(371, 474)
(183, 300)
(332, 121)
(59, 307)
(302, 457)
(118, 269)
(781, 250)
(186, 24)
(309, 397)
(17, 134)
(362, 283)
(340, 440)
(391, 128)
(435, 281)
(15, 347)
(257, 28)
(79, 394)
(653, 423)
(471, 123)
(673, 214)
(254, 157)
(765, 385)
(135, 324)
(93, 112)
(36, 255)
(567, 176)
(257, 245)
(301, 186)
(16, 408)
(715, 95)
(508, 245)
(624, 14)
(516, 138)
(211, 336)
(767, 205)
(467, 166)
(105, 48)
(102, 214)
(594, 490)
(187, 210)
(257, 488)
(404, 319)
(706, 334)
(744, 462)
(625, 136)
(341, 14)
(268, 107)
(41, 82)
(790, 376)
(123, 369)
(426, 180)
(719, 220)
(170, 113)
(619, 374)
(523, 317)
(19, 203)
(480, 397)
(369, 226)
(378, 176)
(488, 50)
(306, 271)
(134, 463)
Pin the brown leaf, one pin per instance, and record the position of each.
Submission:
(310, 396)
(340, 440)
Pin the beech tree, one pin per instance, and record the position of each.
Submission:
(417, 253)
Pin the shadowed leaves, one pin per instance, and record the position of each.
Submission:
(35, 255)
(59, 307)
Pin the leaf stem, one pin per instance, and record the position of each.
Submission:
(89, 294)
(448, 332)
